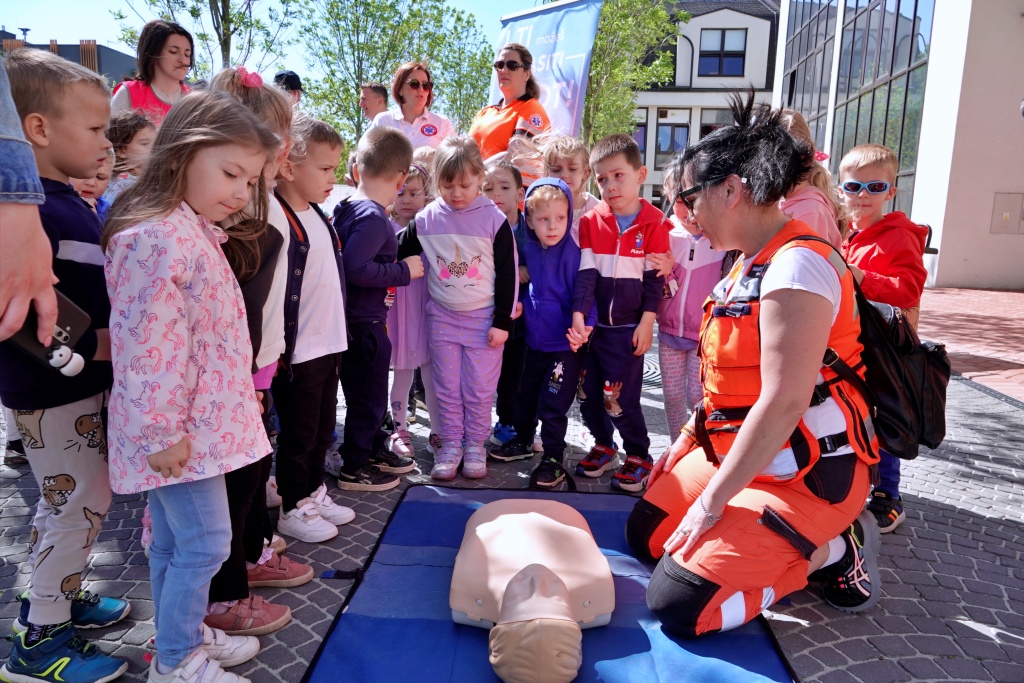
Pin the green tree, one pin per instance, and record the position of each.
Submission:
(631, 53)
(351, 42)
(226, 32)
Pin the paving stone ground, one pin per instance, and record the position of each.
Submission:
(953, 594)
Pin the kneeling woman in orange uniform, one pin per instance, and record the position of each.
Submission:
(763, 489)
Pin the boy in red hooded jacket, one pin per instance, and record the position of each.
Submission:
(885, 251)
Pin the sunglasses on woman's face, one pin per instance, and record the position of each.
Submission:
(511, 65)
(874, 187)
(415, 85)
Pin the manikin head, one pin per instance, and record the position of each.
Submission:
(536, 639)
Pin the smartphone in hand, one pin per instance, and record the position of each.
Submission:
(72, 322)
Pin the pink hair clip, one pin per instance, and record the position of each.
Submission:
(248, 78)
(820, 156)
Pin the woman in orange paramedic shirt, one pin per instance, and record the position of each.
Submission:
(764, 489)
(519, 112)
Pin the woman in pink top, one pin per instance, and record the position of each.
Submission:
(165, 57)
(813, 200)
(183, 410)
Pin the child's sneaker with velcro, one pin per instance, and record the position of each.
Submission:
(599, 460)
(62, 656)
(88, 610)
(887, 511)
(474, 462)
(632, 476)
(511, 450)
(502, 434)
(446, 464)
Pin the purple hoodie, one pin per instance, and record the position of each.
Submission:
(471, 257)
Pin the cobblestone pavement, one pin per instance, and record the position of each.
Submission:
(952, 608)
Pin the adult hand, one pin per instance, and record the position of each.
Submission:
(672, 455)
(26, 272)
(415, 264)
(662, 263)
(691, 527)
(170, 461)
(496, 337)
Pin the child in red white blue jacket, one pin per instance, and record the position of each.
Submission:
(617, 239)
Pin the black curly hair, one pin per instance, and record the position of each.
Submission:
(757, 147)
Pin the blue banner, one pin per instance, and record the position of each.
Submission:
(561, 37)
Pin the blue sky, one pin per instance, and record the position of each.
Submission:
(68, 21)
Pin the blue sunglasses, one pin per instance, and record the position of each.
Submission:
(874, 187)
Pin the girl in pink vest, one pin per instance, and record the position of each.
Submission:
(165, 57)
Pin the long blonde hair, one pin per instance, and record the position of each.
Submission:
(819, 177)
(199, 120)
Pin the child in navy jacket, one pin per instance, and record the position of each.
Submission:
(548, 384)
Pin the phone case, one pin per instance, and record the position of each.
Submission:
(72, 322)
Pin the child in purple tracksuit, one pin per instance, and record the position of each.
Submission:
(472, 281)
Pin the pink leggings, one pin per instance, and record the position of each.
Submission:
(680, 383)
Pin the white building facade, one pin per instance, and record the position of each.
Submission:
(726, 46)
(940, 82)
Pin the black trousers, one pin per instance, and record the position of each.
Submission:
(547, 391)
(512, 358)
(307, 405)
(364, 379)
(611, 361)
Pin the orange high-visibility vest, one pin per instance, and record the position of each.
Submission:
(730, 351)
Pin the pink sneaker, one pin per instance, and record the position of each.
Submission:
(446, 464)
(474, 462)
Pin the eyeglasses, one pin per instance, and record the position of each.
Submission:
(511, 65)
(874, 187)
(415, 85)
(685, 194)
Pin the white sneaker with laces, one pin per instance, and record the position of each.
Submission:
(196, 668)
(333, 463)
(306, 524)
(400, 443)
(329, 510)
(273, 497)
(229, 650)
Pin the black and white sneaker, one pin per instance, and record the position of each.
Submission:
(512, 450)
(854, 583)
(548, 474)
(368, 478)
(392, 463)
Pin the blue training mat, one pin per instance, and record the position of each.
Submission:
(397, 625)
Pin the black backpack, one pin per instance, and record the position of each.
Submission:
(906, 379)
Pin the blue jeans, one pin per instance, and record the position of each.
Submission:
(191, 539)
(889, 474)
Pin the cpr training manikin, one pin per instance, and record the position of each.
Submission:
(531, 571)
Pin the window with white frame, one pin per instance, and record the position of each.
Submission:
(723, 52)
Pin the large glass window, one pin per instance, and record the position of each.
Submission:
(712, 119)
(723, 52)
(640, 136)
(672, 138)
(888, 42)
(808, 68)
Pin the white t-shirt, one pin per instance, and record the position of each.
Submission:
(272, 346)
(578, 212)
(322, 328)
(803, 269)
(426, 131)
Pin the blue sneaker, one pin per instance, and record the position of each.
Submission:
(599, 460)
(632, 476)
(62, 657)
(502, 434)
(87, 611)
